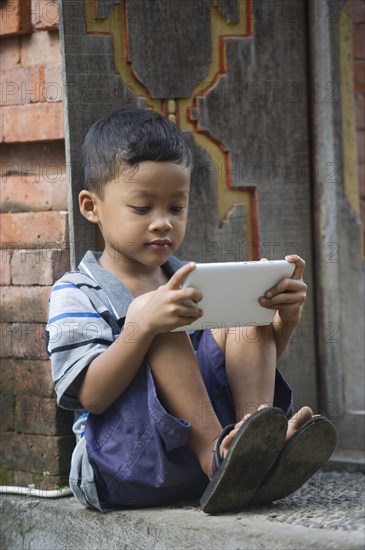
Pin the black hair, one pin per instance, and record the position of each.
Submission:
(124, 138)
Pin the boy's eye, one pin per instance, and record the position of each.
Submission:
(178, 209)
(141, 209)
(175, 209)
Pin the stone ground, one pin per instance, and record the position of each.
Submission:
(327, 512)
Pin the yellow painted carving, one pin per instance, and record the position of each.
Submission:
(225, 197)
(115, 25)
(219, 27)
(171, 106)
(171, 110)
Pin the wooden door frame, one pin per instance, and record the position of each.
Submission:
(336, 226)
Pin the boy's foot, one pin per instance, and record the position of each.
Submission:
(226, 440)
(297, 420)
(249, 449)
(309, 444)
(294, 424)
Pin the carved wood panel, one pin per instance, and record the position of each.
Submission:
(232, 75)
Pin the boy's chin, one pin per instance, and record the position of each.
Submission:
(150, 261)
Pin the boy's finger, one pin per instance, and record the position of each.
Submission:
(180, 275)
(299, 265)
(286, 285)
(283, 299)
(191, 293)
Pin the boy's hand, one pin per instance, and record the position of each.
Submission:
(288, 296)
(165, 309)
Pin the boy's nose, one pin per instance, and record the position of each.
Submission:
(162, 223)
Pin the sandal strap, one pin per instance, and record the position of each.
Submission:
(217, 457)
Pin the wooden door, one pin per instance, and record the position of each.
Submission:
(233, 75)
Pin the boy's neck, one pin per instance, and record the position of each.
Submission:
(138, 278)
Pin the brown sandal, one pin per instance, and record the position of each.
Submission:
(302, 455)
(235, 479)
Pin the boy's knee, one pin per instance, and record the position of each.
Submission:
(170, 343)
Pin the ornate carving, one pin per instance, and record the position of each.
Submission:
(193, 52)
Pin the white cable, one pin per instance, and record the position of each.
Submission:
(32, 491)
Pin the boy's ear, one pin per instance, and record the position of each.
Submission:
(88, 205)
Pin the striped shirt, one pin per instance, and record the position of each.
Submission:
(87, 311)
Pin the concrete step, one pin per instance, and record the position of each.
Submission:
(31, 523)
(327, 512)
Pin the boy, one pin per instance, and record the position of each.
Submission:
(157, 400)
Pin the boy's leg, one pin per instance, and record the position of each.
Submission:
(250, 355)
(182, 391)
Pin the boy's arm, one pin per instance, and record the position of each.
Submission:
(159, 311)
(287, 298)
(109, 374)
(282, 334)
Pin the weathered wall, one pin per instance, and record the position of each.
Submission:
(358, 43)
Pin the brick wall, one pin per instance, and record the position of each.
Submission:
(35, 436)
(358, 41)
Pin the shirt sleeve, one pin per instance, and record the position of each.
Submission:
(76, 333)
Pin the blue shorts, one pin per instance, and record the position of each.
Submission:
(139, 452)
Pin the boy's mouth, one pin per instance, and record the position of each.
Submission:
(160, 244)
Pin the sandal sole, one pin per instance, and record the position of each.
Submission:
(251, 454)
(301, 457)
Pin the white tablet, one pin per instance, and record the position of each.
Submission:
(231, 291)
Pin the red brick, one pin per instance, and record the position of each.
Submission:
(7, 412)
(33, 122)
(58, 187)
(39, 267)
(21, 85)
(22, 304)
(1, 125)
(34, 160)
(359, 77)
(9, 52)
(31, 84)
(33, 230)
(53, 85)
(15, 17)
(5, 275)
(40, 48)
(23, 341)
(360, 112)
(44, 14)
(35, 193)
(40, 415)
(42, 480)
(358, 11)
(36, 453)
(24, 478)
(26, 377)
(358, 41)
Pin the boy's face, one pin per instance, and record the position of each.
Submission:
(142, 215)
